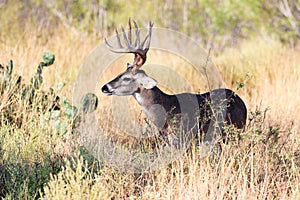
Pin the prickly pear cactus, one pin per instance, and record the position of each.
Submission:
(48, 59)
(89, 103)
(47, 105)
(37, 79)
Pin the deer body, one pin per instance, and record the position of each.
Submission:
(161, 107)
(195, 112)
(236, 111)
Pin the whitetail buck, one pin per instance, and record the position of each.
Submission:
(197, 113)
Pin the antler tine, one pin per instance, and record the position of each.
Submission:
(129, 33)
(128, 47)
(137, 34)
(126, 39)
(113, 49)
(150, 34)
(119, 40)
(107, 44)
(147, 38)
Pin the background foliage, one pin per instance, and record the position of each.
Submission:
(213, 22)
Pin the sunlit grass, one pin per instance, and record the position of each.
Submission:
(275, 77)
(259, 166)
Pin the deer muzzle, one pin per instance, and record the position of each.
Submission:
(107, 90)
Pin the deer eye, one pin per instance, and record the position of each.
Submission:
(126, 79)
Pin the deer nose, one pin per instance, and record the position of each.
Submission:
(105, 90)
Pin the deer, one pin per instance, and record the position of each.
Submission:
(199, 115)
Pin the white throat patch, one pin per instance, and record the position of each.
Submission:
(139, 98)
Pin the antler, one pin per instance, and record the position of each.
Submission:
(137, 48)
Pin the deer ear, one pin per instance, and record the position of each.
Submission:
(148, 82)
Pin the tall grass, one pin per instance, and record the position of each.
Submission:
(275, 77)
(262, 164)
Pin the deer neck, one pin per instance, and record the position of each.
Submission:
(153, 102)
(148, 97)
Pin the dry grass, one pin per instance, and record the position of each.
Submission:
(69, 50)
(275, 83)
(255, 168)
(264, 164)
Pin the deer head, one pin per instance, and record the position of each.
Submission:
(133, 79)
